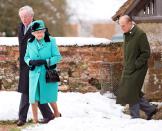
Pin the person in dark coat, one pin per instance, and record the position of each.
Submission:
(24, 33)
(136, 53)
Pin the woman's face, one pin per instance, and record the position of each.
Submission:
(39, 34)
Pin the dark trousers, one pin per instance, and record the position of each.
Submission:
(24, 107)
(143, 105)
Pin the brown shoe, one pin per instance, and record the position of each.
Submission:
(20, 123)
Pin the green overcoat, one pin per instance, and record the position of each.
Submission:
(44, 51)
(136, 53)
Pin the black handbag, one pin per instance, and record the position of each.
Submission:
(51, 74)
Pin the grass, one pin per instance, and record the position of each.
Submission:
(10, 125)
(15, 129)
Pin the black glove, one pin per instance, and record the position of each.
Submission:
(37, 62)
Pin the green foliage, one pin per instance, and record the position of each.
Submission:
(51, 11)
(10, 125)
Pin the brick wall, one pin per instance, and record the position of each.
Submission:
(88, 29)
(87, 68)
(83, 69)
(106, 30)
(71, 30)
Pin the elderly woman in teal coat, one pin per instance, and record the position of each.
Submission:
(41, 49)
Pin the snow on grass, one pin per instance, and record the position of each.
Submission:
(80, 112)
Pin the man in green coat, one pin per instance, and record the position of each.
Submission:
(136, 53)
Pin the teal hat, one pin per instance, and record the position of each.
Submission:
(37, 25)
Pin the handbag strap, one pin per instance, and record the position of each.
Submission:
(48, 64)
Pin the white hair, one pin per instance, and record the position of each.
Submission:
(27, 8)
(128, 19)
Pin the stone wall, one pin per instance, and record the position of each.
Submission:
(153, 81)
(87, 68)
(8, 75)
(154, 32)
(83, 68)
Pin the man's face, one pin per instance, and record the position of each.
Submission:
(25, 17)
(125, 25)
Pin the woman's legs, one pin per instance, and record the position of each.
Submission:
(35, 105)
(35, 112)
(55, 109)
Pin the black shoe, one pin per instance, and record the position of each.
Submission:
(20, 123)
(46, 120)
(149, 117)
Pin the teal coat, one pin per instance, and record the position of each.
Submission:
(136, 54)
(47, 92)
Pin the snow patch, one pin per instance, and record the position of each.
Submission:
(65, 41)
(80, 112)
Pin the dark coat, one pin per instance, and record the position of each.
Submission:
(136, 54)
(23, 86)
